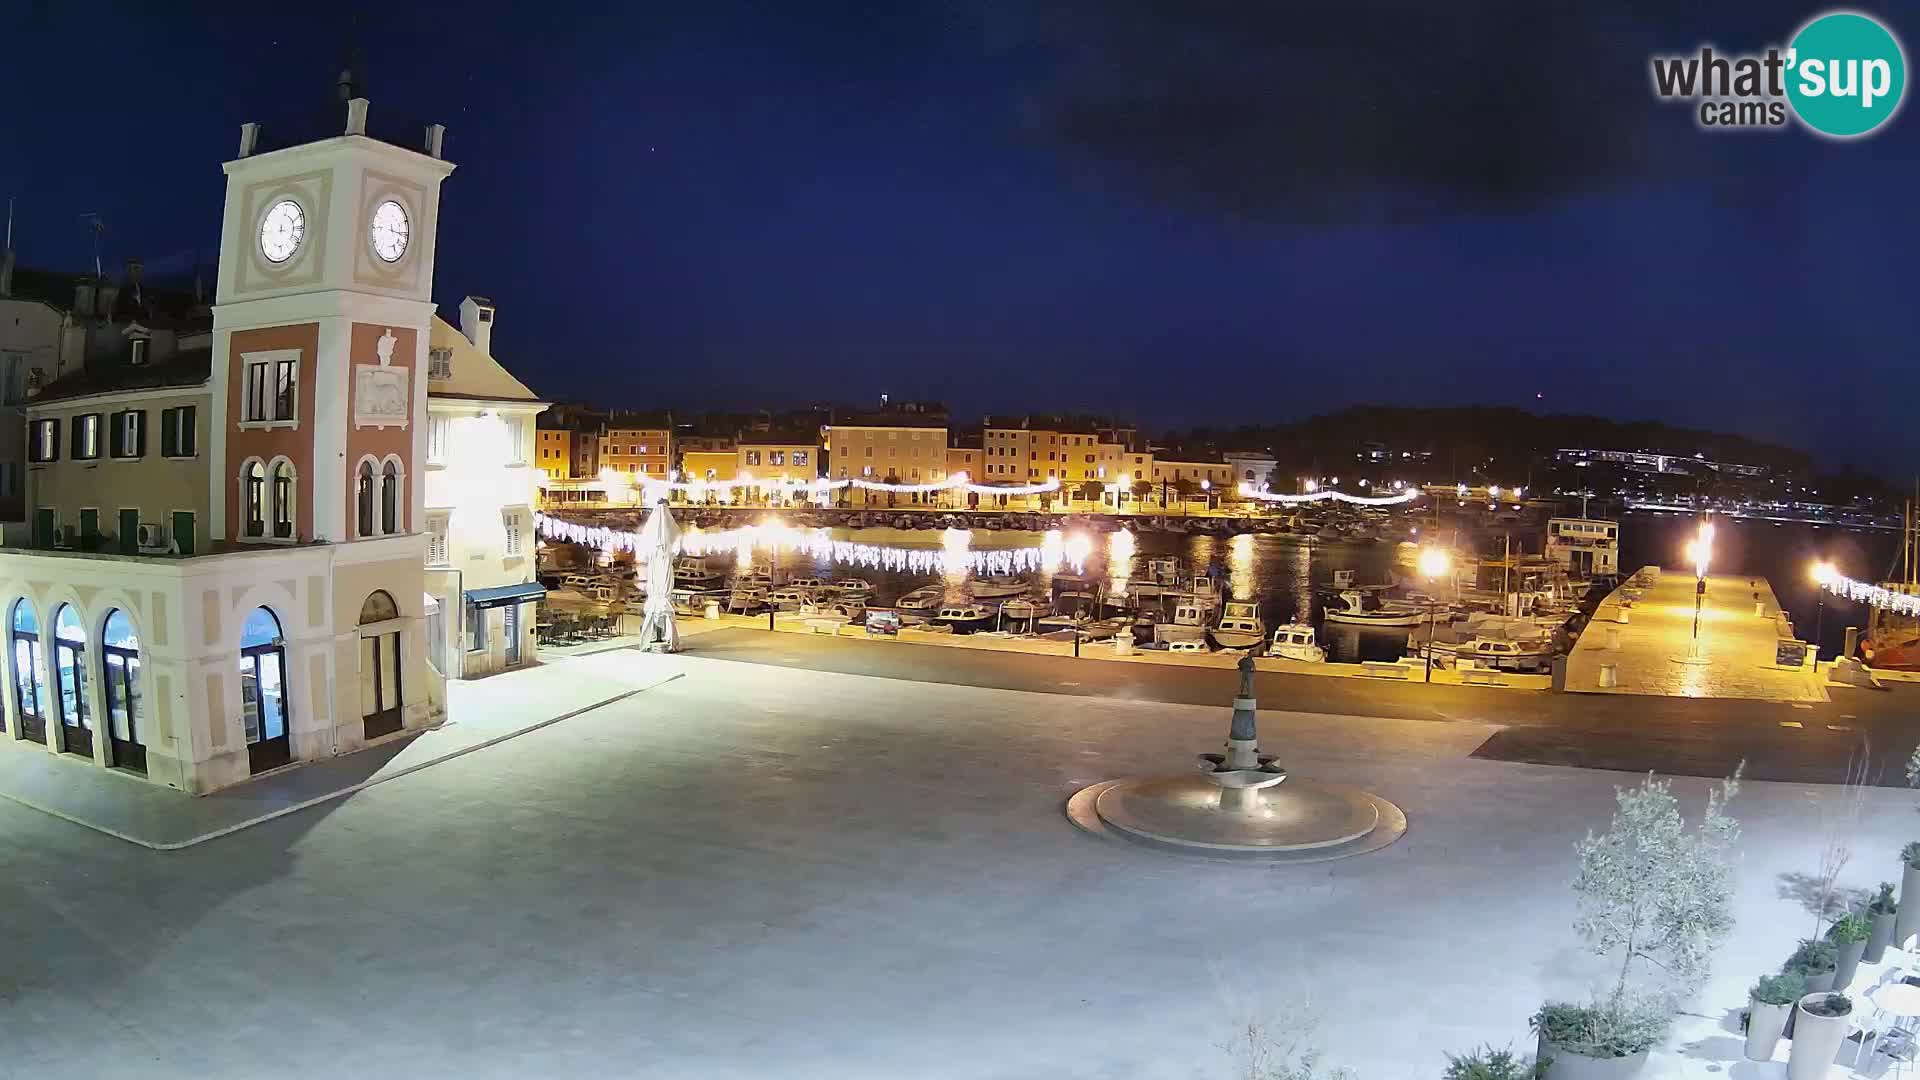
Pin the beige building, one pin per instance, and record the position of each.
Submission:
(903, 448)
(481, 489)
(296, 631)
(1201, 481)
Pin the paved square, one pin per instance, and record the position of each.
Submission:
(757, 871)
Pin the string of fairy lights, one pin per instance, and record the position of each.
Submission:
(1878, 596)
(955, 554)
(1401, 499)
(821, 486)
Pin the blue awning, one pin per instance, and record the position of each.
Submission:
(523, 593)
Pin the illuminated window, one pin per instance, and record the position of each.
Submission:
(283, 500)
(254, 479)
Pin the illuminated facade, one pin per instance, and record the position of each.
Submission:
(900, 448)
(553, 451)
(481, 486)
(258, 598)
(637, 444)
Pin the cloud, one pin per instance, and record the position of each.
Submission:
(1369, 110)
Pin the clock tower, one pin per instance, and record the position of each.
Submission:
(321, 317)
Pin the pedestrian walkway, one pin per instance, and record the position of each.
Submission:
(484, 712)
(1652, 650)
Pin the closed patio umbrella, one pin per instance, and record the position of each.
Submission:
(657, 541)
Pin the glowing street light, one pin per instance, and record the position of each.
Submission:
(1824, 574)
(1312, 486)
(1701, 552)
(1433, 566)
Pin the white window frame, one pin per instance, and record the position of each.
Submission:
(44, 444)
(268, 363)
(515, 544)
(438, 430)
(439, 551)
(89, 424)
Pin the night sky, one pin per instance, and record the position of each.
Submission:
(1184, 212)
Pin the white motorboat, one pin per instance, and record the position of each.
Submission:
(758, 577)
(1195, 645)
(746, 601)
(1020, 611)
(997, 587)
(964, 618)
(788, 599)
(852, 586)
(1505, 654)
(923, 600)
(812, 586)
(1240, 627)
(852, 609)
(1295, 641)
(693, 573)
(1343, 578)
(1353, 607)
(1189, 624)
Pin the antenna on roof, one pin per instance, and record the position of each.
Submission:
(9, 246)
(348, 87)
(99, 225)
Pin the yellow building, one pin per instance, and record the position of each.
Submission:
(1199, 481)
(902, 448)
(709, 464)
(553, 452)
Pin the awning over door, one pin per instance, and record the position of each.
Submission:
(524, 593)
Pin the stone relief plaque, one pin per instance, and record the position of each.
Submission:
(380, 397)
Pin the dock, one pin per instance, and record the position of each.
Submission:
(1643, 633)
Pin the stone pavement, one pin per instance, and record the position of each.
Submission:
(485, 712)
(1737, 644)
(756, 871)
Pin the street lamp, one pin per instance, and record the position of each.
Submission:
(1433, 564)
(1206, 493)
(1823, 572)
(1700, 551)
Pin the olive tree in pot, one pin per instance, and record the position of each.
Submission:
(1657, 894)
(1490, 1064)
(1848, 935)
(1883, 909)
(1768, 1006)
(1821, 1020)
(1906, 922)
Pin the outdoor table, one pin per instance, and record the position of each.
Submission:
(1898, 999)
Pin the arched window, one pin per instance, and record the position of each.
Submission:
(378, 608)
(263, 691)
(390, 498)
(29, 674)
(70, 668)
(120, 667)
(254, 492)
(363, 499)
(283, 500)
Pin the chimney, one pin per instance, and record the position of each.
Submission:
(357, 116)
(249, 137)
(435, 137)
(476, 321)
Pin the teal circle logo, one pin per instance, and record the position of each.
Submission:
(1846, 74)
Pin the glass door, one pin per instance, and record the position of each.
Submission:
(70, 672)
(263, 701)
(513, 634)
(380, 683)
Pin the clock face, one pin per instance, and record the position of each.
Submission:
(389, 231)
(282, 230)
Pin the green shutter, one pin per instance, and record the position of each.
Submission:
(43, 527)
(183, 531)
(129, 532)
(89, 528)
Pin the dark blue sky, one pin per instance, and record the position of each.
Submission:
(1184, 212)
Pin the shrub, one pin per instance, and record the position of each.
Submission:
(1849, 928)
(1491, 1064)
(1831, 1005)
(1883, 901)
(1911, 854)
(1782, 989)
(1813, 957)
(1626, 1024)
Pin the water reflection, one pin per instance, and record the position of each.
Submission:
(1120, 547)
(1240, 567)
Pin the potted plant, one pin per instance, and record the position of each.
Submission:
(1883, 909)
(1816, 961)
(1491, 1064)
(1768, 1006)
(1821, 1023)
(1602, 1041)
(1907, 922)
(1848, 935)
(1650, 889)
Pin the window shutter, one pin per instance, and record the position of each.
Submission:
(140, 434)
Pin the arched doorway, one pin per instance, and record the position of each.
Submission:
(120, 668)
(263, 691)
(29, 673)
(70, 671)
(380, 690)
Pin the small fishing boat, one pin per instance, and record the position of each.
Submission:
(1020, 613)
(923, 600)
(997, 587)
(1353, 607)
(788, 599)
(964, 618)
(1189, 623)
(693, 573)
(1240, 627)
(853, 586)
(812, 586)
(1295, 641)
(746, 601)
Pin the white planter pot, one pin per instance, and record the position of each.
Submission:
(1562, 1065)
(1906, 922)
(1765, 1023)
(1816, 1041)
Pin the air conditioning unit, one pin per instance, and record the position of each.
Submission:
(62, 536)
(153, 537)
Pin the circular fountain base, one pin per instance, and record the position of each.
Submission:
(1298, 821)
